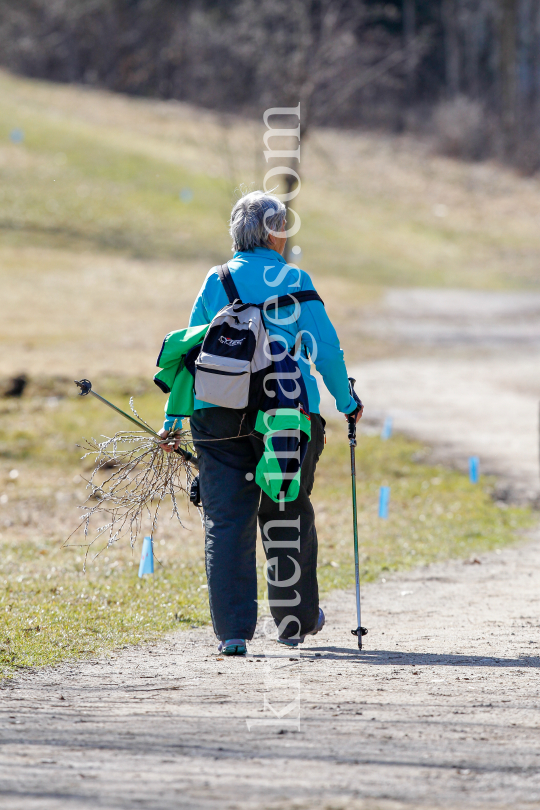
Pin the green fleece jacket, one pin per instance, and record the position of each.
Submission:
(174, 378)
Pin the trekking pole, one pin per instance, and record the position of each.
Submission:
(351, 419)
(86, 388)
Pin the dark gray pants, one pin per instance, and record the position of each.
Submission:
(232, 501)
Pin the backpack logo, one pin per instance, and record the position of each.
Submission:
(230, 342)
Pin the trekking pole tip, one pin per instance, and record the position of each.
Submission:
(84, 385)
(359, 632)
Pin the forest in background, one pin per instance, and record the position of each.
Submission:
(466, 72)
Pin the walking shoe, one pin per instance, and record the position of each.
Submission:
(294, 642)
(233, 646)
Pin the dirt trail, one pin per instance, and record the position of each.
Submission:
(464, 407)
(440, 710)
(468, 382)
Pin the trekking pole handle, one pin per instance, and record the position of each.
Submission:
(351, 417)
(351, 420)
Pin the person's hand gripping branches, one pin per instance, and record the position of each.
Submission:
(172, 439)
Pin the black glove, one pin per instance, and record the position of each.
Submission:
(356, 398)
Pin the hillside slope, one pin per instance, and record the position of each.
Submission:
(156, 180)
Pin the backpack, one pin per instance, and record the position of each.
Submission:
(235, 359)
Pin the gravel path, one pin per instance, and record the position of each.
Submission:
(466, 379)
(440, 710)
(462, 407)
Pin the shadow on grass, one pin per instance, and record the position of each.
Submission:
(142, 245)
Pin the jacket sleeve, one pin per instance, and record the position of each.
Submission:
(322, 343)
(210, 300)
(199, 315)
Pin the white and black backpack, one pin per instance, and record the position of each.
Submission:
(234, 357)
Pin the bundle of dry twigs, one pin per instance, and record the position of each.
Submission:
(139, 475)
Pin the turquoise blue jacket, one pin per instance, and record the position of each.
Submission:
(261, 274)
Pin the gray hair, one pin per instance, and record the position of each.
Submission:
(253, 217)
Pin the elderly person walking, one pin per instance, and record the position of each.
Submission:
(229, 448)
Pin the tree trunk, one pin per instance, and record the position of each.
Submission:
(290, 183)
(535, 101)
(526, 133)
(508, 21)
(409, 35)
(473, 27)
(452, 56)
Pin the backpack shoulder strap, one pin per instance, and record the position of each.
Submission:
(291, 299)
(226, 279)
(279, 301)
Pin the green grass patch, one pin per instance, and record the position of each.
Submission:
(69, 184)
(52, 610)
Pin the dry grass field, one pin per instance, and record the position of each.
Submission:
(111, 212)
